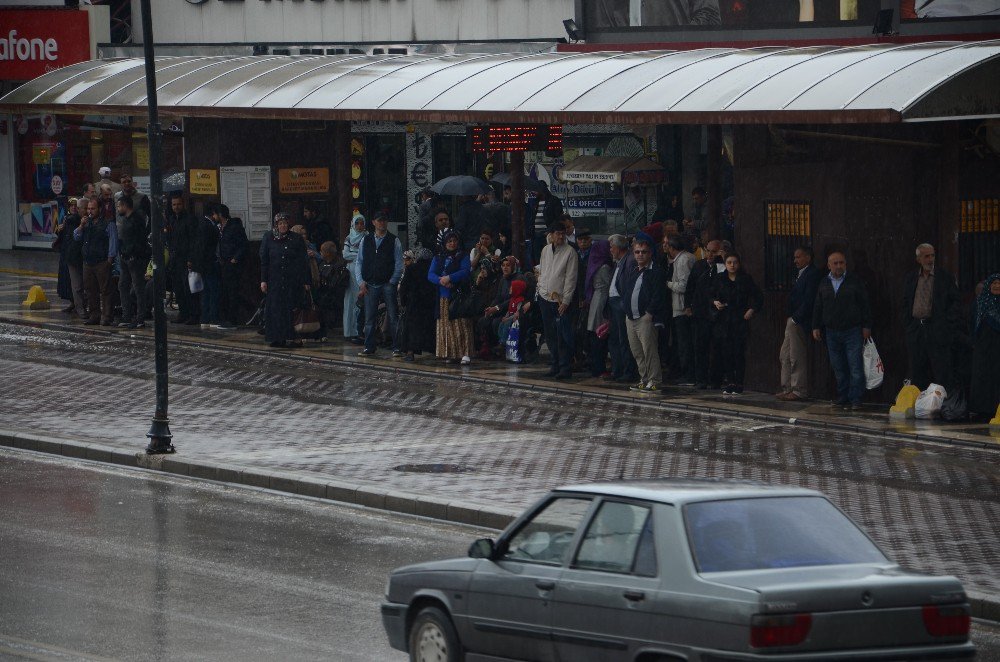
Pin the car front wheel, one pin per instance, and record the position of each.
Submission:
(433, 638)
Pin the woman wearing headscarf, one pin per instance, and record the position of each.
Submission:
(984, 394)
(596, 284)
(417, 297)
(448, 271)
(284, 279)
(352, 246)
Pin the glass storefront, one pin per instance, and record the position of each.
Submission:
(58, 155)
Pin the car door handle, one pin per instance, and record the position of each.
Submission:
(545, 585)
(634, 596)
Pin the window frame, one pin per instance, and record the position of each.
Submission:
(650, 507)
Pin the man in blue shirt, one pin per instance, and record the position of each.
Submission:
(378, 269)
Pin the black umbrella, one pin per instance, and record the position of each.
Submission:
(461, 185)
(530, 184)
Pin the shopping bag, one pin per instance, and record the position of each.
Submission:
(306, 320)
(955, 407)
(929, 402)
(513, 344)
(874, 371)
(195, 282)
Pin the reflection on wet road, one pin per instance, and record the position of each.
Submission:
(934, 508)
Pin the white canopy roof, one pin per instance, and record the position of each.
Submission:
(774, 84)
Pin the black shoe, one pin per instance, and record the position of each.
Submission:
(854, 406)
(837, 404)
(92, 322)
(564, 375)
(137, 325)
(356, 340)
(69, 309)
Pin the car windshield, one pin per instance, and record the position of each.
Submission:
(774, 532)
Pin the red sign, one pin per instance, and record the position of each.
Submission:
(36, 41)
(516, 138)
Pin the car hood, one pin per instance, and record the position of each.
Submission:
(461, 564)
(842, 587)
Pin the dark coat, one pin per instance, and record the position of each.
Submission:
(847, 309)
(70, 253)
(232, 241)
(206, 243)
(133, 237)
(183, 239)
(417, 303)
(945, 316)
(284, 267)
(699, 292)
(802, 298)
(652, 293)
(739, 295)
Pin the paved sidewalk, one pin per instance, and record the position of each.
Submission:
(21, 269)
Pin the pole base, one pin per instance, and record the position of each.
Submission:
(159, 438)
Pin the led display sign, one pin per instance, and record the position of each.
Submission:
(516, 138)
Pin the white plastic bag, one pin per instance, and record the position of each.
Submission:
(874, 371)
(195, 282)
(929, 402)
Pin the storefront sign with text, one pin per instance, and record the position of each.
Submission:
(204, 182)
(303, 180)
(36, 41)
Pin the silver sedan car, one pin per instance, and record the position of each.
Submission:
(676, 570)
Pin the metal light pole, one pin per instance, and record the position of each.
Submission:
(159, 432)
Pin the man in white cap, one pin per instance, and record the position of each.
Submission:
(105, 173)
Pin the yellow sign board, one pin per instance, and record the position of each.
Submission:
(303, 180)
(141, 156)
(204, 182)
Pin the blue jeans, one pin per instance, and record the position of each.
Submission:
(377, 294)
(845, 348)
(558, 336)
(210, 295)
(622, 362)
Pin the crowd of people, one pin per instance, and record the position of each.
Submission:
(668, 304)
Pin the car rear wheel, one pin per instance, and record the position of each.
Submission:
(433, 638)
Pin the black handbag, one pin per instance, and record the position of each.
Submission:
(463, 302)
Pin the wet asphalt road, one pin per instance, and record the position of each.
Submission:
(125, 564)
(110, 563)
(934, 508)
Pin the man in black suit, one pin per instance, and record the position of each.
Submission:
(794, 357)
(698, 305)
(930, 318)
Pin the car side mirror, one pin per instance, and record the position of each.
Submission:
(484, 548)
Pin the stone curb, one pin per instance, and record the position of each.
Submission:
(984, 606)
(382, 368)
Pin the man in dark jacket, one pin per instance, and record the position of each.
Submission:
(99, 241)
(698, 305)
(644, 299)
(183, 247)
(793, 355)
(843, 314)
(378, 269)
(134, 251)
(207, 247)
(316, 224)
(930, 318)
(232, 248)
(470, 223)
(623, 368)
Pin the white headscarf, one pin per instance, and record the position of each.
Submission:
(352, 245)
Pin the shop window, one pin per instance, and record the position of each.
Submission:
(978, 241)
(788, 227)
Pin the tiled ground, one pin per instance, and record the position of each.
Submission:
(935, 507)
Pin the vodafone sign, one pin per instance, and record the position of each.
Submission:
(36, 41)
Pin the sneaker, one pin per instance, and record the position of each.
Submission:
(736, 390)
(727, 390)
(396, 353)
(651, 387)
(124, 325)
(466, 360)
(639, 388)
(367, 352)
